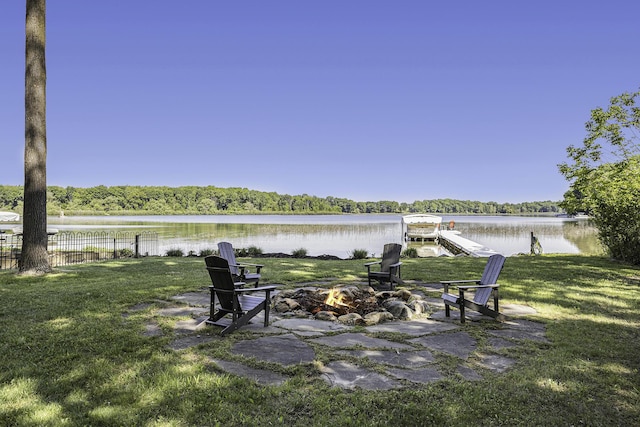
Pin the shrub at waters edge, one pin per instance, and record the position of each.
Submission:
(410, 253)
(248, 252)
(174, 252)
(359, 254)
(299, 253)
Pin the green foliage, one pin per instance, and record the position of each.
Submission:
(125, 253)
(410, 253)
(359, 254)
(130, 200)
(299, 253)
(614, 197)
(250, 251)
(174, 252)
(206, 252)
(604, 176)
(254, 251)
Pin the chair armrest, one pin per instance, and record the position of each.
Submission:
(261, 288)
(397, 264)
(451, 298)
(250, 265)
(450, 282)
(369, 264)
(240, 267)
(478, 286)
(227, 291)
(447, 283)
(243, 266)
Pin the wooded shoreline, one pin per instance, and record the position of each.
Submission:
(209, 200)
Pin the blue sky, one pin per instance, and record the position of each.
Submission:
(367, 100)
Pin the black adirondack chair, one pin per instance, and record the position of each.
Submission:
(389, 266)
(233, 299)
(240, 271)
(485, 288)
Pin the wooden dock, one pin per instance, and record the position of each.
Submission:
(457, 244)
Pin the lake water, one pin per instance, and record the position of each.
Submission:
(340, 234)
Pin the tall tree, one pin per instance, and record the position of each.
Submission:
(34, 244)
(605, 176)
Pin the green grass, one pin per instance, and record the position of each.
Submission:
(73, 352)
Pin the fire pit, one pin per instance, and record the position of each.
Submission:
(350, 304)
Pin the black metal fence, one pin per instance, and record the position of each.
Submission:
(69, 247)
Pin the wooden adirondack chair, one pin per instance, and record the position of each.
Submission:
(485, 288)
(233, 299)
(389, 266)
(239, 271)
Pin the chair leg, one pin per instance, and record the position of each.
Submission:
(266, 313)
(212, 304)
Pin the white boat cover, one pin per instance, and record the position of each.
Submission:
(421, 219)
(9, 216)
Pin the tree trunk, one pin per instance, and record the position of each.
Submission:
(34, 257)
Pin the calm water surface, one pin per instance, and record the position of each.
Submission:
(339, 234)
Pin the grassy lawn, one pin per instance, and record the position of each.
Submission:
(70, 357)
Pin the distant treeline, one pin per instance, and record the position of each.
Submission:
(123, 200)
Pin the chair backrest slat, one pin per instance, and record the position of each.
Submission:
(492, 270)
(489, 277)
(390, 255)
(226, 251)
(221, 278)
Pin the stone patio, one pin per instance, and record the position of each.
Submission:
(410, 358)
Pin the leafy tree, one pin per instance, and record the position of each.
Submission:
(34, 245)
(604, 176)
(207, 200)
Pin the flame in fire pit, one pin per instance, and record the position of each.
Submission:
(335, 298)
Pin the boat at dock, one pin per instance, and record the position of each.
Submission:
(421, 227)
(9, 217)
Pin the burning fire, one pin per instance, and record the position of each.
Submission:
(335, 298)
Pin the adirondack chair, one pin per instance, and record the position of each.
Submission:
(233, 299)
(239, 271)
(389, 266)
(485, 288)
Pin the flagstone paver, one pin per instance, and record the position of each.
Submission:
(350, 339)
(347, 375)
(499, 343)
(261, 376)
(406, 359)
(468, 373)
(309, 325)
(181, 311)
(415, 327)
(152, 330)
(425, 375)
(282, 349)
(495, 362)
(459, 344)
